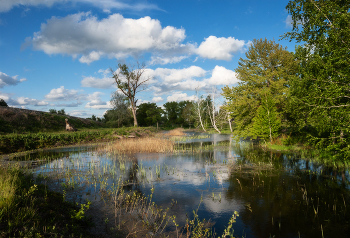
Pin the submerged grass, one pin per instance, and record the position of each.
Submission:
(31, 210)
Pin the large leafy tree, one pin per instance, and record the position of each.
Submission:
(130, 81)
(266, 123)
(188, 113)
(120, 113)
(321, 93)
(149, 114)
(178, 112)
(172, 112)
(267, 68)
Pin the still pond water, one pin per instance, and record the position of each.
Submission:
(275, 194)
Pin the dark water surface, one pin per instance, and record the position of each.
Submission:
(275, 194)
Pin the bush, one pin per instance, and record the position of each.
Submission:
(61, 112)
(3, 103)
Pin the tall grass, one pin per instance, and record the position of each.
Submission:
(150, 145)
(176, 132)
(30, 210)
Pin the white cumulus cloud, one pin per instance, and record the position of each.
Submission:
(90, 38)
(177, 75)
(166, 60)
(157, 99)
(96, 102)
(94, 82)
(178, 96)
(220, 48)
(222, 76)
(21, 101)
(62, 94)
(6, 80)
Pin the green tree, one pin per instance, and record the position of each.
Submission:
(268, 68)
(61, 112)
(120, 114)
(188, 114)
(320, 93)
(3, 103)
(130, 81)
(172, 112)
(266, 123)
(149, 114)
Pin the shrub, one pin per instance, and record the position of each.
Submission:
(3, 103)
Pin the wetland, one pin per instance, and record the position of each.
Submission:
(205, 185)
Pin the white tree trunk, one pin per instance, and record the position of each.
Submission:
(212, 117)
(199, 112)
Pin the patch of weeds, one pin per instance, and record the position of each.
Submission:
(31, 210)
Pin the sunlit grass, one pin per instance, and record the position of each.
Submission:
(7, 187)
(149, 145)
(176, 132)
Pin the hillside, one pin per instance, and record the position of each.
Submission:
(17, 120)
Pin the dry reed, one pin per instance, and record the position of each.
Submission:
(150, 145)
(176, 132)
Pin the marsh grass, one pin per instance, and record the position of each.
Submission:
(31, 210)
(176, 132)
(149, 145)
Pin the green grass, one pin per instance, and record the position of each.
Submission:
(24, 122)
(30, 210)
(283, 148)
(12, 143)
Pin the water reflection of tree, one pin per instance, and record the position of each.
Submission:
(292, 201)
(133, 182)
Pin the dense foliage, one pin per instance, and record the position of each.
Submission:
(267, 69)
(308, 92)
(320, 94)
(149, 114)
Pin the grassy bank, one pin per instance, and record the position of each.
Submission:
(287, 144)
(31, 210)
(23, 142)
(17, 121)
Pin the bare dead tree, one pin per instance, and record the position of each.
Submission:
(129, 81)
(198, 110)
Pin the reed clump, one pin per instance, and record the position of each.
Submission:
(149, 145)
(176, 132)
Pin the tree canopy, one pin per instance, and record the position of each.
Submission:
(267, 68)
(148, 114)
(321, 91)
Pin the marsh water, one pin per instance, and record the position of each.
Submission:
(275, 194)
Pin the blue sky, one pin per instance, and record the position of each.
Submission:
(57, 53)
